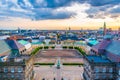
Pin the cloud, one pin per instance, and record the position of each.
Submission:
(115, 9)
(103, 2)
(102, 12)
(59, 9)
(49, 13)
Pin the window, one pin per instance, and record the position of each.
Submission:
(104, 69)
(12, 70)
(96, 69)
(18, 76)
(110, 70)
(5, 70)
(89, 67)
(5, 76)
(12, 76)
(119, 72)
(111, 76)
(104, 76)
(20, 69)
(96, 76)
(118, 78)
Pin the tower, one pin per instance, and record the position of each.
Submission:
(119, 29)
(66, 32)
(19, 30)
(104, 27)
(69, 29)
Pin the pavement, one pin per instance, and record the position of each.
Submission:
(65, 72)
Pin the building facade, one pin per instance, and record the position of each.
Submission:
(103, 63)
(99, 68)
(20, 68)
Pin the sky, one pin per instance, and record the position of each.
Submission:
(59, 14)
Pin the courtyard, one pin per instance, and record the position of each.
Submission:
(66, 72)
(51, 73)
(50, 56)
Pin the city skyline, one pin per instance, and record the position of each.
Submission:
(59, 14)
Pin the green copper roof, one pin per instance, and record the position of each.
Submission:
(37, 43)
(80, 43)
(93, 42)
(4, 47)
(23, 42)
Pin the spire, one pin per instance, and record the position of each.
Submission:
(104, 24)
(69, 28)
(104, 27)
(66, 32)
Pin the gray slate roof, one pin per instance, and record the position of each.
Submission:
(4, 47)
(14, 44)
(114, 47)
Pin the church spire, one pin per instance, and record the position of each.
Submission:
(104, 27)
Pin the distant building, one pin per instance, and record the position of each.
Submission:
(19, 30)
(69, 29)
(100, 31)
(15, 37)
(42, 38)
(119, 32)
(4, 37)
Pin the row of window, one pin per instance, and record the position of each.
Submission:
(23, 51)
(103, 76)
(96, 69)
(12, 70)
(12, 76)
